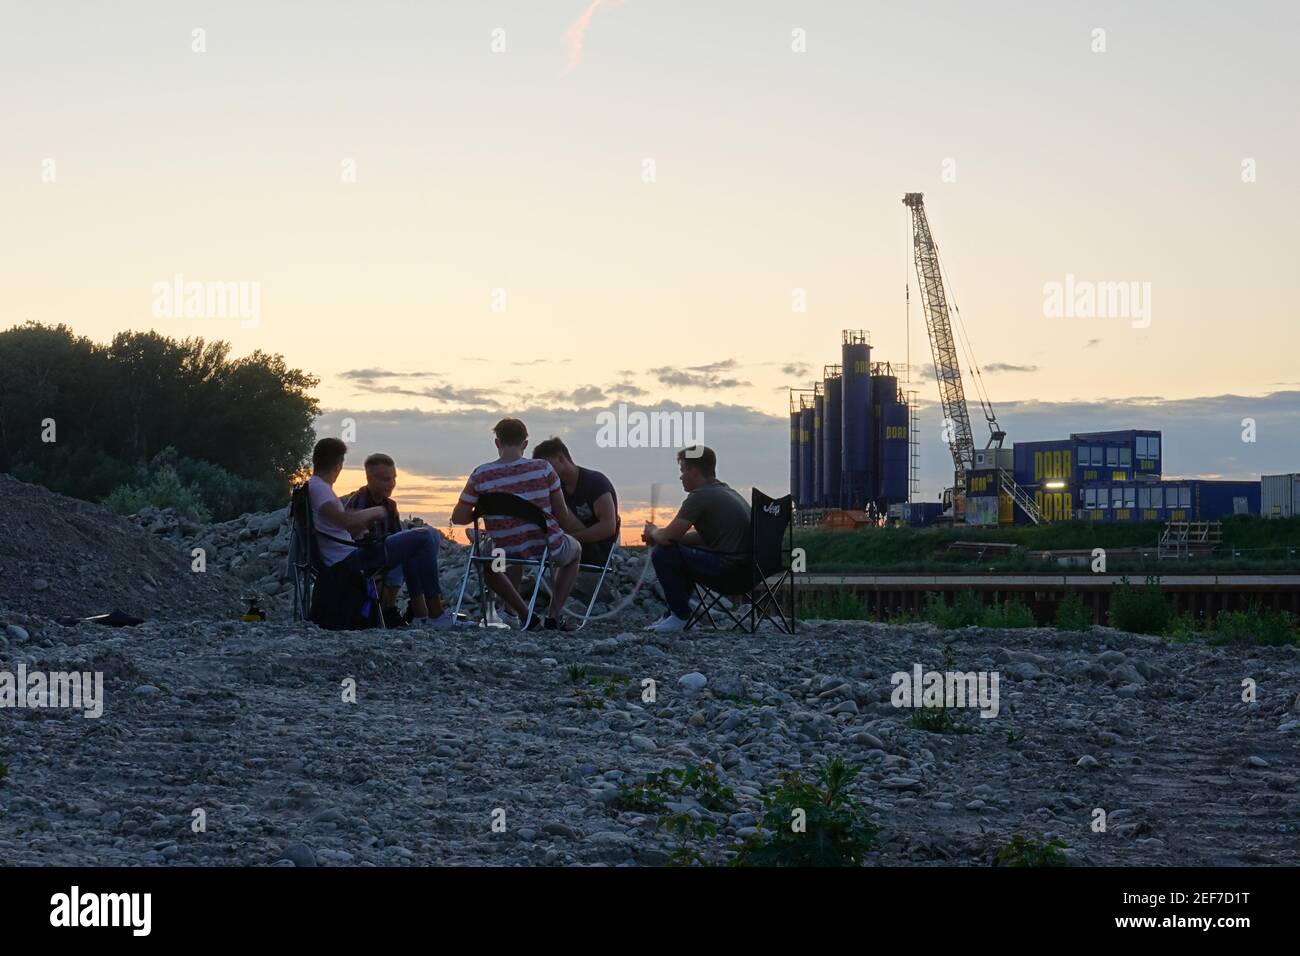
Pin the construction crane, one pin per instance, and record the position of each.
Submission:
(947, 369)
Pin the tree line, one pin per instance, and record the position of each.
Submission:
(151, 419)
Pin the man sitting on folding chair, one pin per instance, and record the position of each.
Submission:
(593, 503)
(709, 538)
(536, 482)
(416, 551)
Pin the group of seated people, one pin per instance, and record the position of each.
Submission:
(363, 532)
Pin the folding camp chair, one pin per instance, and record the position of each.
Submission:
(600, 569)
(771, 535)
(497, 504)
(306, 565)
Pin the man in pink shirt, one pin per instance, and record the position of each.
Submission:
(535, 481)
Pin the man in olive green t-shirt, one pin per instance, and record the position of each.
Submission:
(709, 536)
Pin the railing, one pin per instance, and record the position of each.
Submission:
(1180, 538)
(1020, 497)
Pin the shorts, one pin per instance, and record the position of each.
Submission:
(566, 552)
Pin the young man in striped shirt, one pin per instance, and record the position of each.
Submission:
(535, 481)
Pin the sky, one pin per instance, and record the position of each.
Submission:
(451, 212)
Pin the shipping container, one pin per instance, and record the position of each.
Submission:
(1192, 499)
(1280, 496)
(1040, 461)
(1117, 455)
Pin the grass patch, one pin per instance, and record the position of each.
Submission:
(969, 610)
(840, 606)
(1255, 626)
(1023, 851)
(811, 823)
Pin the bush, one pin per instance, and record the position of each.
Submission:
(965, 611)
(1141, 610)
(1255, 626)
(1022, 851)
(837, 830)
(1072, 615)
(840, 606)
(1008, 614)
(164, 490)
(1183, 629)
(968, 610)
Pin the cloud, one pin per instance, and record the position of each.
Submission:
(576, 35)
(996, 367)
(699, 376)
(447, 394)
(369, 374)
(796, 369)
(585, 395)
(626, 390)
(1091, 342)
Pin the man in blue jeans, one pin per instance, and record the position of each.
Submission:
(709, 536)
(415, 550)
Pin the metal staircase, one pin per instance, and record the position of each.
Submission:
(1180, 538)
(1021, 497)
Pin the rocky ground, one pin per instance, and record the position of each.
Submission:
(451, 732)
(248, 723)
(60, 556)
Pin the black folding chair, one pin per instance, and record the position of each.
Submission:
(759, 574)
(497, 504)
(304, 554)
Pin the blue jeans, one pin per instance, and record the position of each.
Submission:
(677, 565)
(415, 551)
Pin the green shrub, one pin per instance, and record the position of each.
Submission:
(836, 828)
(1141, 610)
(164, 490)
(1008, 615)
(968, 609)
(1183, 629)
(965, 611)
(1255, 626)
(1022, 851)
(1072, 614)
(840, 606)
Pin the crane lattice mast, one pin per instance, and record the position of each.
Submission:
(942, 345)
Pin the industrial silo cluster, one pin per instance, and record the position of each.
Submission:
(849, 445)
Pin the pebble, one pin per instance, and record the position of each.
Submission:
(15, 633)
(299, 854)
(693, 681)
(1087, 762)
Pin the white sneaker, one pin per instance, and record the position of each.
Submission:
(442, 622)
(670, 623)
(655, 625)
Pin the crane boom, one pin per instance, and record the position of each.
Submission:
(942, 345)
(947, 370)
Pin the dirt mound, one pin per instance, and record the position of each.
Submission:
(60, 556)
